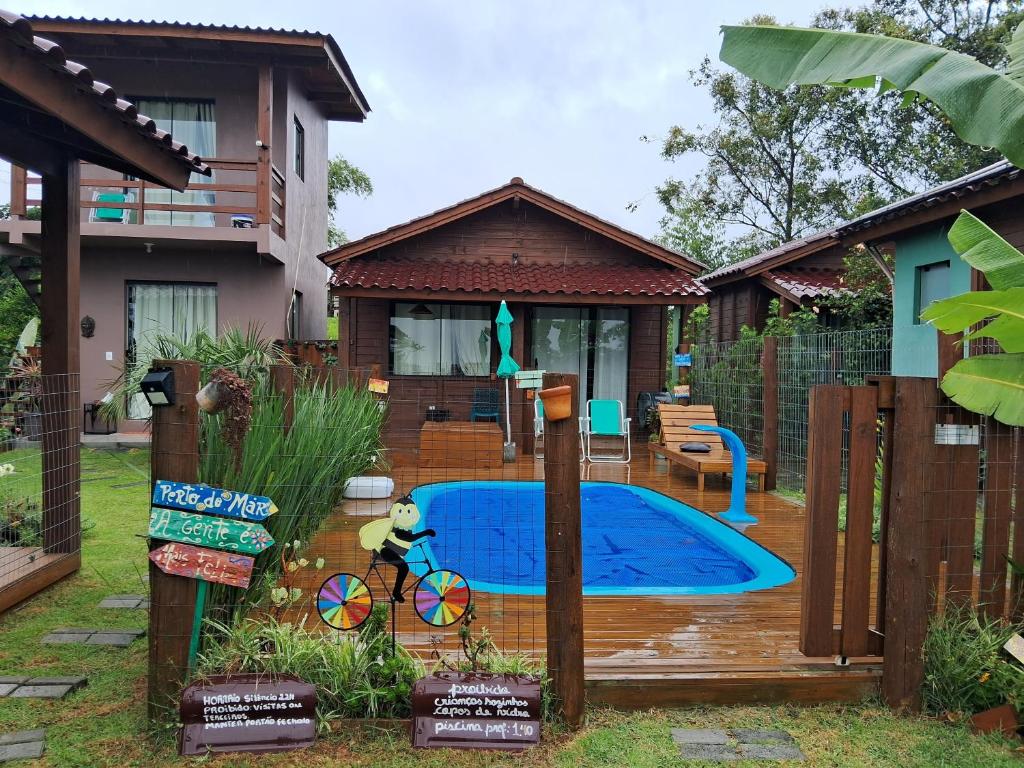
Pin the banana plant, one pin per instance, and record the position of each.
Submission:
(985, 107)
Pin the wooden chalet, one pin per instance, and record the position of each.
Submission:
(587, 297)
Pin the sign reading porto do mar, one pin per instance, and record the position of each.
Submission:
(247, 713)
(212, 501)
(208, 531)
(476, 711)
(206, 564)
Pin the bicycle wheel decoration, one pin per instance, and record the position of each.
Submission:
(344, 601)
(441, 597)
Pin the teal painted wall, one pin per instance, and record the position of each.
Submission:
(915, 346)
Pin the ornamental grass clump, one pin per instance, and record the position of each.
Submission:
(355, 673)
(966, 669)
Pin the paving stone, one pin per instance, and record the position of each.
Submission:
(720, 752)
(63, 638)
(755, 736)
(118, 601)
(13, 679)
(76, 681)
(22, 736)
(41, 691)
(770, 752)
(699, 736)
(7, 688)
(117, 639)
(28, 750)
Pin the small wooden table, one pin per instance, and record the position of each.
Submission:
(462, 444)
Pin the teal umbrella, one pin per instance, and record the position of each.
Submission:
(507, 367)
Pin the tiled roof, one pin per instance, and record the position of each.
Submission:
(811, 243)
(479, 277)
(19, 30)
(808, 284)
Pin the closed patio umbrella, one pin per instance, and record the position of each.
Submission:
(507, 367)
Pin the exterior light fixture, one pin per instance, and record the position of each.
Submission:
(421, 311)
(158, 386)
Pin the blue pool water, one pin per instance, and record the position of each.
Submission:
(635, 541)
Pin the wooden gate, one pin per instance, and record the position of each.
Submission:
(938, 479)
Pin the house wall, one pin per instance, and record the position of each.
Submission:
(241, 279)
(733, 305)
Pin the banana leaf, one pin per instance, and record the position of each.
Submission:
(984, 106)
(958, 313)
(981, 247)
(989, 384)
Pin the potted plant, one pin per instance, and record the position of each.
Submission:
(26, 375)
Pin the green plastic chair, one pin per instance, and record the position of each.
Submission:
(109, 215)
(606, 418)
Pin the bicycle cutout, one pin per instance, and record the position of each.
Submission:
(440, 596)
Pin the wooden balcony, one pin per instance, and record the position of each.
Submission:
(230, 199)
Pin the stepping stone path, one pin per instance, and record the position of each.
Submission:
(125, 601)
(39, 687)
(118, 638)
(735, 744)
(23, 745)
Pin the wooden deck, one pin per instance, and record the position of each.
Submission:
(24, 571)
(641, 650)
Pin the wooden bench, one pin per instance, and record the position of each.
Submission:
(676, 423)
(461, 444)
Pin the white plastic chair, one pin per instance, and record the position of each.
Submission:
(538, 430)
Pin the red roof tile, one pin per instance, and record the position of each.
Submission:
(820, 282)
(593, 279)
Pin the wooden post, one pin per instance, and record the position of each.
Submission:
(563, 547)
(19, 192)
(770, 410)
(908, 583)
(264, 121)
(824, 466)
(174, 456)
(282, 381)
(950, 351)
(62, 411)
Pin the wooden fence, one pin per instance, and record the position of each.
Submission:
(946, 484)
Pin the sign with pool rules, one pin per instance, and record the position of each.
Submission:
(465, 710)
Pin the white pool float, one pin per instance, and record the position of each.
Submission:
(369, 487)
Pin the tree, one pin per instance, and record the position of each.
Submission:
(985, 107)
(343, 178)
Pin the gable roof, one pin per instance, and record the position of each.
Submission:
(774, 257)
(328, 77)
(76, 82)
(515, 189)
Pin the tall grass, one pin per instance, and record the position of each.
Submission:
(335, 435)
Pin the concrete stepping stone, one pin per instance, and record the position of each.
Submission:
(125, 601)
(41, 687)
(735, 744)
(118, 638)
(22, 745)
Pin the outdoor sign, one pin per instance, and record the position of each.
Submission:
(379, 386)
(682, 360)
(206, 564)
(529, 379)
(681, 390)
(247, 713)
(213, 501)
(207, 531)
(1015, 647)
(956, 434)
(463, 710)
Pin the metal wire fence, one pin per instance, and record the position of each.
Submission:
(730, 376)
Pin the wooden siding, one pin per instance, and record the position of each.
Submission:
(734, 305)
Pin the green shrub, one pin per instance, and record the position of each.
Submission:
(355, 673)
(966, 669)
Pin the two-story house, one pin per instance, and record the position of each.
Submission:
(235, 248)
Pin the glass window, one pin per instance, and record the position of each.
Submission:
(932, 284)
(194, 124)
(300, 149)
(441, 339)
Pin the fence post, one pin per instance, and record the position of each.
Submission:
(282, 381)
(770, 410)
(174, 456)
(563, 548)
(908, 600)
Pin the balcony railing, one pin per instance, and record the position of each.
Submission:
(230, 198)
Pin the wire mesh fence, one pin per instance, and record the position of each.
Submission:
(730, 376)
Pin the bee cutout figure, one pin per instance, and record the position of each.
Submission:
(391, 538)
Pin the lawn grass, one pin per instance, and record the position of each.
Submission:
(104, 724)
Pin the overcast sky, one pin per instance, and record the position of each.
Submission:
(466, 95)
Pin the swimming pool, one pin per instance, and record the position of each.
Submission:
(635, 541)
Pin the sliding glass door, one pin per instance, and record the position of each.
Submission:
(592, 342)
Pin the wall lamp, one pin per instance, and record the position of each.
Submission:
(158, 386)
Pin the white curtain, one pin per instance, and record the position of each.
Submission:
(560, 336)
(466, 339)
(445, 340)
(164, 309)
(416, 340)
(611, 354)
(194, 124)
